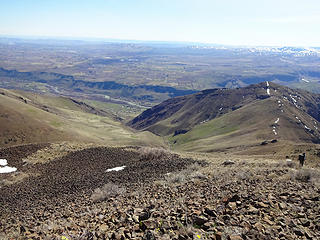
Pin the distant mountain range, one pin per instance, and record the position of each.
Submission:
(291, 51)
(234, 117)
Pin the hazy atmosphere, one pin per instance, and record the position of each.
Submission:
(167, 119)
(246, 22)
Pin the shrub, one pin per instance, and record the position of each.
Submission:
(191, 172)
(286, 163)
(174, 178)
(193, 167)
(108, 190)
(289, 163)
(244, 174)
(303, 175)
(150, 153)
(306, 175)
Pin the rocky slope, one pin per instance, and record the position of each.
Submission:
(241, 198)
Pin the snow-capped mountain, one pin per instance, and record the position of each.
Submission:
(291, 51)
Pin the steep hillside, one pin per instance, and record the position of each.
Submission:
(232, 117)
(33, 118)
(21, 122)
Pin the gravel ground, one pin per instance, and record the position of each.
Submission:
(160, 197)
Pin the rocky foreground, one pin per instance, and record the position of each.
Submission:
(157, 196)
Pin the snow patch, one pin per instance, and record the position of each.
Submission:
(309, 129)
(7, 169)
(115, 169)
(292, 97)
(268, 91)
(204, 121)
(3, 162)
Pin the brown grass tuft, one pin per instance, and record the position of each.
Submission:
(306, 175)
(150, 153)
(108, 190)
(192, 172)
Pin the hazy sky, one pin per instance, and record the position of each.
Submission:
(235, 22)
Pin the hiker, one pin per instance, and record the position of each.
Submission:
(302, 158)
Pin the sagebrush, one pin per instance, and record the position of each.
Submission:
(150, 153)
(306, 175)
(107, 190)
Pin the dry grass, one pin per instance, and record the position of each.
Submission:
(290, 164)
(56, 150)
(188, 231)
(306, 175)
(64, 121)
(151, 153)
(192, 172)
(108, 190)
(176, 178)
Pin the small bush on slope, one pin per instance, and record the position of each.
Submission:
(108, 190)
(306, 175)
(150, 153)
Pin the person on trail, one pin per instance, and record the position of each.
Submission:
(302, 158)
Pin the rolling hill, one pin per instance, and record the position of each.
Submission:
(224, 118)
(27, 117)
(21, 122)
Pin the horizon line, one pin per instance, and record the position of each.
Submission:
(137, 41)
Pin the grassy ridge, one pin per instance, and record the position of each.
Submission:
(32, 118)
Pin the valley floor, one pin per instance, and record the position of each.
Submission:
(68, 193)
